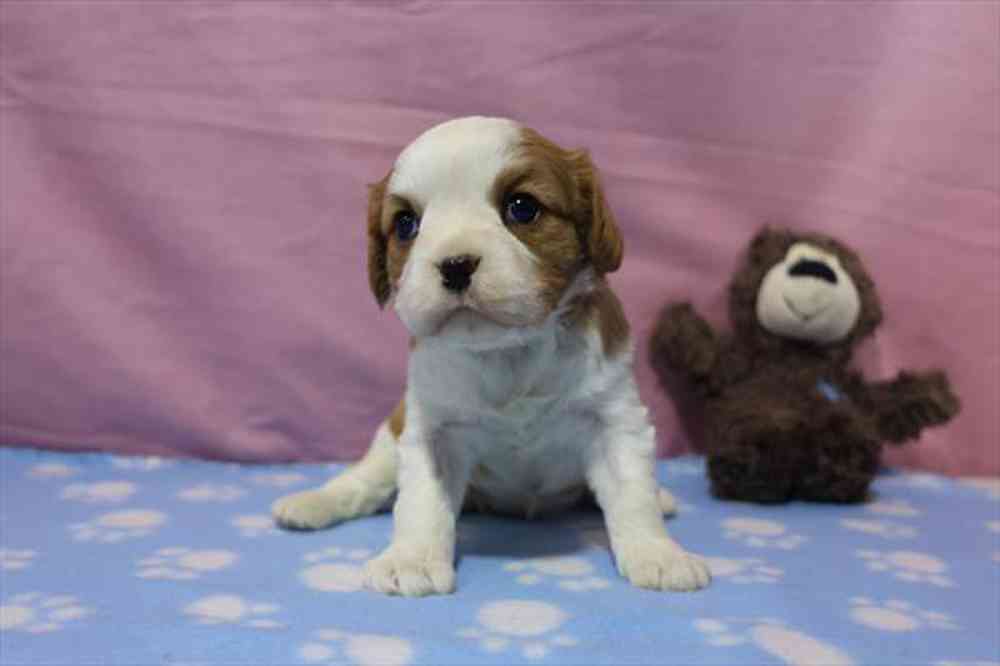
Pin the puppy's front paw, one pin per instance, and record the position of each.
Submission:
(409, 573)
(658, 564)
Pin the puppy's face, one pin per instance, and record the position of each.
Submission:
(481, 227)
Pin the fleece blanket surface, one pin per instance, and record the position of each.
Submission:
(110, 560)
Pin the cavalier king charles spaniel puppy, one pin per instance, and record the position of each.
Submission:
(492, 244)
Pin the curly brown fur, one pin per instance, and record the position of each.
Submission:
(771, 430)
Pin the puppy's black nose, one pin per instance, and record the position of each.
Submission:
(456, 272)
(816, 269)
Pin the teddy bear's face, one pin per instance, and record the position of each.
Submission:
(808, 296)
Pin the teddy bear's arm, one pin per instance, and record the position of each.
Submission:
(685, 344)
(904, 406)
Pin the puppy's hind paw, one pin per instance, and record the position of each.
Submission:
(658, 564)
(308, 510)
(409, 574)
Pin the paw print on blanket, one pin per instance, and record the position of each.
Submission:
(15, 560)
(184, 563)
(882, 528)
(989, 487)
(907, 565)
(745, 570)
(760, 533)
(898, 508)
(37, 613)
(103, 492)
(897, 616)
(335, 569)
(526, 626)
(280, 479)
(211, 492)
(232, 609)
(52, 471)
(569, 573)
(773, 637)
(141, 463)
(254, 525)
(118, 526)
(361, 649)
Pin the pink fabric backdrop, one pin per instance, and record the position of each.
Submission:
(183, 193)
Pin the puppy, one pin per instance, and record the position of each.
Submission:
(492, 244)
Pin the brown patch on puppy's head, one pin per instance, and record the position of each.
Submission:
(378, 243)
(575, 227)
(387, 253)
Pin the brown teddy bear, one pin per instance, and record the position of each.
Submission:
(783, 414)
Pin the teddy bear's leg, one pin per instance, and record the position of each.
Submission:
(748, 473)
(843, 467)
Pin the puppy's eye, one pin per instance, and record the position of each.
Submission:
(407, 224)
(520, 208)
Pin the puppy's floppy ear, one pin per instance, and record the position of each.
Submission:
(600, 232)
(378, 244)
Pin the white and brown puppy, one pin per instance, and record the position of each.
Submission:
(492, 244)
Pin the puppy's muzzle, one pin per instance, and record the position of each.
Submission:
(456, 272)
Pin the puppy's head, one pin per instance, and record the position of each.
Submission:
(481, 227)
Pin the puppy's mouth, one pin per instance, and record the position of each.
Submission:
(471, 317)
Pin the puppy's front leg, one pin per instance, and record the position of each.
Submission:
(420, 560)
(621, 475)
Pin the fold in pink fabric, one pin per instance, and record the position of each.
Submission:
(183, 194)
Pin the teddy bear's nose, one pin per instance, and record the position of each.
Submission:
(812, 268)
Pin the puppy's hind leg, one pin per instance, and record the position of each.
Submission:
(362, 489)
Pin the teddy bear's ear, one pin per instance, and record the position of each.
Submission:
(767, 245)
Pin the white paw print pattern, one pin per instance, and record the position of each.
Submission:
(141, 463)
(990, 487)
(52, 471)
(745, 570)
(882, 528)
(570, 573)
(361, 649)
(279, 479)
(232, 609)
(209, 492)
(37, 613)
(897, 507)
(910, 566)
(254, 525)
(15, 560)
(118, 526)
(920, 480)
(183, 563)
(527, 626)
(771, 636)
(760, 533)
(102, 492)
(897, 616)
(345, 575)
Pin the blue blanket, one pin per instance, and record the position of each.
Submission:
(109, 560)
